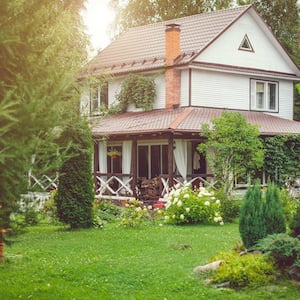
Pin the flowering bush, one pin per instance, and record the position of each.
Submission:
(135, 213)
(185, 205)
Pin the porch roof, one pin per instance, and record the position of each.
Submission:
(184, 120)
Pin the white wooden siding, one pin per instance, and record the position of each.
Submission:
(221, 90)
(225, 50)
(184, 88)
(85, 103)
(232, 91)
(114, 87)
(160, 92)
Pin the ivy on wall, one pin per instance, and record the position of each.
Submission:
(282, 157)
(137, 89)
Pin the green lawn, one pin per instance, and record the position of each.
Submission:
(49, 262)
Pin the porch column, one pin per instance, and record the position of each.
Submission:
(134, 164)
(170, 159)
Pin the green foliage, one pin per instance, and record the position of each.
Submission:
(105, 212)
(284, 249)
(137, 89)
(230, 207)
(289, 205)
(236, 146)
(252, 270)
(273, 211)
(75, 192)
(282, 157)
(141, 12)
(295, 223)
(187, 206)
(42, 49)
(252, 221)
(136, 214)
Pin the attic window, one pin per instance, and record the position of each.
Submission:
(245, 44)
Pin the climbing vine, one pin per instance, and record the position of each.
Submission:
(282, 157)
(138, 90)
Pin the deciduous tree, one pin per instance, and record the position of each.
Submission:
(232, 148)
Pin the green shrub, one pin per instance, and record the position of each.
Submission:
(273, 211)
(136, 213)
(289, 205)
(105, 212)
(284, 249)
(295, 223)
(187, 206)
(252, 224)
(230, 207)
(251, 270)
(75, 192)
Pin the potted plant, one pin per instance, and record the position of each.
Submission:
(113, 153)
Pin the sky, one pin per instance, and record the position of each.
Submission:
(97, 18)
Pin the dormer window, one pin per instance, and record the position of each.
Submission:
(246, 45)
(264, 95)
(98, 98)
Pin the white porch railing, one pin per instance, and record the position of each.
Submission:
(181, 183)
(112, 187)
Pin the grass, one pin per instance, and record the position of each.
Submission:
(49, 262)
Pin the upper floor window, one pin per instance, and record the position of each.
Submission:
(98, 98)
(245, 44)
(264, 95)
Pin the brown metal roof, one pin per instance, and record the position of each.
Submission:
(188, 119)
(143, 48)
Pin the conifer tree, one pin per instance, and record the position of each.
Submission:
(273, 211)
(75, 192)
(252, 224)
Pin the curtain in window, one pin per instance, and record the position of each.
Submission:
(102, 158)
(126, 159)
(180, 154)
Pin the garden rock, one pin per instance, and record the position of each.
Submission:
(208, 267)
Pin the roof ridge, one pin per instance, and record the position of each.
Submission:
(241, 7)
(180, 118)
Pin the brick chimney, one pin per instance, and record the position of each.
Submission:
(172, 76)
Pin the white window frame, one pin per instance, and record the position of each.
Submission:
(99, 100)
(265, 93)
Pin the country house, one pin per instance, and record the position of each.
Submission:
(202, 65)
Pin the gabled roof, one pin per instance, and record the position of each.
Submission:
(185, 120)
(143, 48)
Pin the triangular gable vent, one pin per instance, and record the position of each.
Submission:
(245, 44)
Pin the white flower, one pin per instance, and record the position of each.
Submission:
(181, 217)
(186, 196)
(149, 207)
(187, 209)
(218, 202)
(216, 219)
(177, 186)
(173, 216)
(177, 193)
(167, 218)
(213, 198)
(138, 209)
(175, 200)
(179, 203)
(160, 225)
(207, 203)
(221, 223)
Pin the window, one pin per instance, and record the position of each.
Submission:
(98, 98)
(264, 95)
(152, 160)
(246, 45)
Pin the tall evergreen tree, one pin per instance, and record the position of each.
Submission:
(75, 193)
(273, 211)
(252, 222)
(43, 46)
